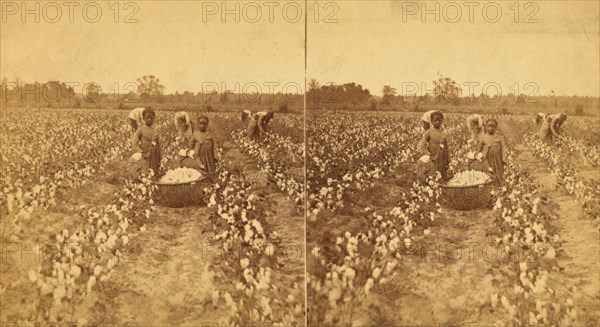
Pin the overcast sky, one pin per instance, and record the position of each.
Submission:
(171, 40)
(383, 43)
(373, 43)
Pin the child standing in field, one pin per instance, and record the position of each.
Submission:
(204, 147)
(434, 144)
(493, 147)
(146, 144)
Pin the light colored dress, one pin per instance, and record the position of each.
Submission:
(136, 114)
(426, 118)
(477, 132)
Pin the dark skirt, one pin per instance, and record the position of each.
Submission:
(494, 159)
(134, 124)
(207, 156)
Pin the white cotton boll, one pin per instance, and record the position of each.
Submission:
(91, 282)
(550, 254)
(239, 286)
(215, 298)
(244, 263)
(369, 285)
(248, 276)
(494, 300)
(349, 274)
(334, 295)
(229, 302)
(523, 266)
(376, 272)
(136, 157)
(32, 275)
(298, 310)
(75, 271)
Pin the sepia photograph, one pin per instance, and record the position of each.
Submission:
(152, 164)
(314, 163)
(452, 164)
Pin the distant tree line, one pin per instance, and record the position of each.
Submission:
(148, 90)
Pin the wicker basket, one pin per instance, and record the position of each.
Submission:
(467, 197)
(181, 194)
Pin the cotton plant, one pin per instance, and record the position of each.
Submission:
(68, 276)
(239, 225)
(29, 180)
(527, 297)
(275, 169)
(587, 193)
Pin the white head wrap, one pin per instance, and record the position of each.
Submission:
(474, 118)
(182, 115)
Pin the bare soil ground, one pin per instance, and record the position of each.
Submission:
(166, 280)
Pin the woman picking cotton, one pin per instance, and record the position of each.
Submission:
(259, 123)
(556, 122)
(539, 118)
(550, 128)
(184, 128)
(476, 128)
(426, 119)
(246, 115)
(185, 133)
(136, 118)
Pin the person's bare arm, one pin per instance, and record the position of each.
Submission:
(423, 144)
(552, 127)
(197, 141)
(504, 149)
(260, 124)
(135, 140)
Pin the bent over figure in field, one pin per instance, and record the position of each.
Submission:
(246, 115)
(539, 118)
(551, 127)
(136, 118)
(426, 119)
(476, 128)
(258, 124)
